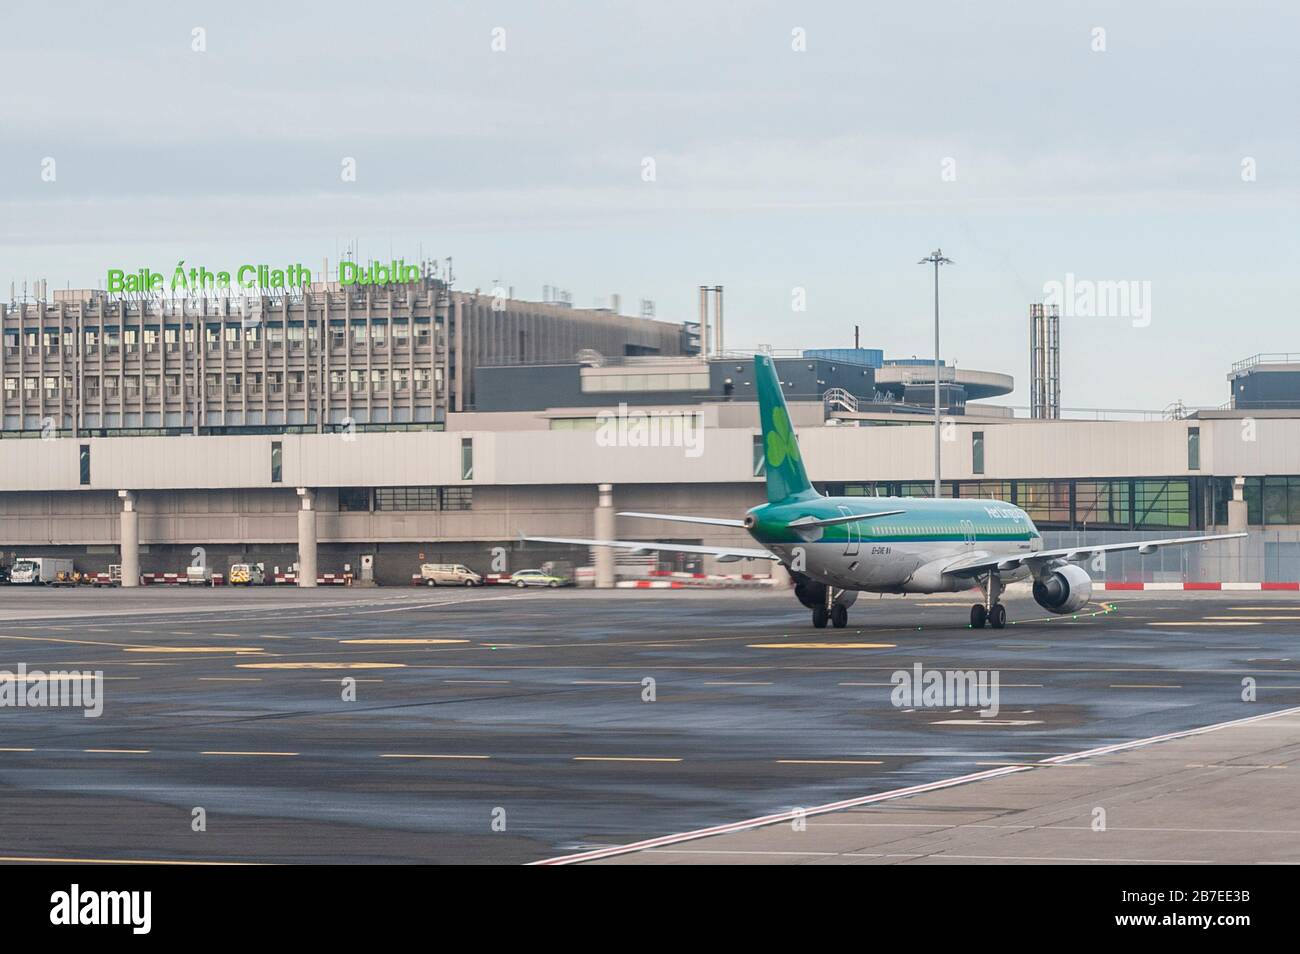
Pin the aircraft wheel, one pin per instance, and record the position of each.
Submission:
(977, 616)
(820, 617)
(839, 616)
(998, 616)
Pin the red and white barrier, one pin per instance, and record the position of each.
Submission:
(162, 579)
(1191, 585)
(322, 579)
(650, 585)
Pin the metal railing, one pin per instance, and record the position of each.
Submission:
(1266, 357)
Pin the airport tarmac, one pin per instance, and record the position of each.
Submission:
(497, 725)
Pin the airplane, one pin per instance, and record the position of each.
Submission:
(837, 547)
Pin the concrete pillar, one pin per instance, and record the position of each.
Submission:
(307, 537)
(1235, 569)
(129, 540)
(1237, 506)
(605, 531)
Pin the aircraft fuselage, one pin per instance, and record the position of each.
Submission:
(900, 553)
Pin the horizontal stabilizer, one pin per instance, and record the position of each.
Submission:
(807, 523)
(711, 521)
(640, 546)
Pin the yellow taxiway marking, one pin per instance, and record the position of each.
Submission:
(336, 682)
(1263, 618)
(28, 859)
(1005, 685)
(404, 755)
(218, 752)
(61, 677)
(822, 645)
(1241, 622)
(73, 642)
(16, 750)
(120, 751)
(230, 678)
(828, 762)
(619, 758)
(401, 642)
(321, 665)
(194, 649)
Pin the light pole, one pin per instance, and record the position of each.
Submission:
(936, 258)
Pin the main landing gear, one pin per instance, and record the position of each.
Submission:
(990, 610)
(837, 614)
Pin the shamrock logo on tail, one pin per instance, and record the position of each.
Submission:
(780, 440)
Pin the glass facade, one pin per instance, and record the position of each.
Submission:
(1270, 501)
(420, 498)
(1125, 503)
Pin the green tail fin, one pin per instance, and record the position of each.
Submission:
(786, 477)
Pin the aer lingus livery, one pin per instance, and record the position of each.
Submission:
(836, 547)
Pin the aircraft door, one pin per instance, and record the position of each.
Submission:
(853, 530)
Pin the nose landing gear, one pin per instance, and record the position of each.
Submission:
(990, 610)
(834, 612)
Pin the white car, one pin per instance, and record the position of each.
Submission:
(522, 578)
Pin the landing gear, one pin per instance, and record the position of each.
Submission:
(831, 610)
(990, 610)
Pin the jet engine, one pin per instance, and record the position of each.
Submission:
(813, 594)
(809, 592)
(1064, 589)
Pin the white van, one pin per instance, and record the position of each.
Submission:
(198, 575)
(449, 574)
(246, 574)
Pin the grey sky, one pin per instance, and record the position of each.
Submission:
(775, 169)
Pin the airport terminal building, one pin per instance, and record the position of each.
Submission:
(420, 424)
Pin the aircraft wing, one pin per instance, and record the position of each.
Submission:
(722, 553)
(983, 562)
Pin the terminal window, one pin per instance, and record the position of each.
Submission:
(1193, 448)
(85, 465)
(406, 498)
(467, 458)
(1161, 503)
(277, 461)
(977, 452)
(457, 498)
(354, 499)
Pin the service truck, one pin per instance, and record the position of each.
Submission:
(40, 570)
